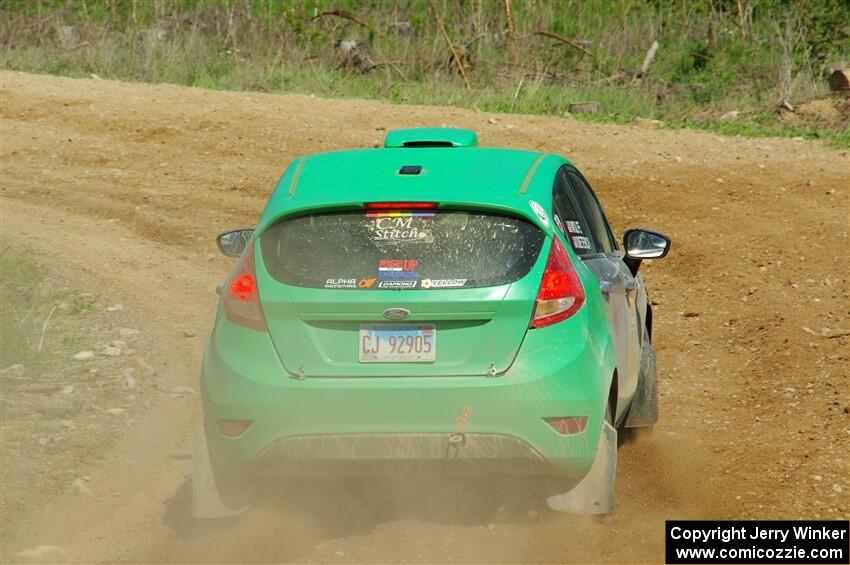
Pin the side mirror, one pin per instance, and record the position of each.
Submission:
(643, 244)
(233, 243)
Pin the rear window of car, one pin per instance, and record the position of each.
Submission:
(400, 250)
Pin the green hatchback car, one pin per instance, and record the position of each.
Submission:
(427, 307)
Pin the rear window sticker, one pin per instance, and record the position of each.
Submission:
(341, 283)
(541, 213)
(397, 284)
(388, 265)
(400, 226)
(398, 269)
(442, 283)
(398, 275)
(573, 226)
(581, 242)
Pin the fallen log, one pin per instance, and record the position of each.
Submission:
(648, 60)
(348, 16)
(574, 44)
(585, 107)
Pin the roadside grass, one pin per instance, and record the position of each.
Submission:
(58, 416)
(42, 325)
(532, 97)
(713, 60)
(28, 305)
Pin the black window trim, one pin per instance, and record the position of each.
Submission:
(616, 245)
(563, 170)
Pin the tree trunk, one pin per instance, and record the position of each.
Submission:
(839, 81)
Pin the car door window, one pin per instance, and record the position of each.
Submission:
(569, 219)
(589, 205)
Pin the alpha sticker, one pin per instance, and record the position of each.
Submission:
(573, 226)
(397, 284)
(442, 283)
(341, 283)
(366, 283)
(581, 242)
(541, 213)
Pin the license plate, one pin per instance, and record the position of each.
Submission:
(397, 344)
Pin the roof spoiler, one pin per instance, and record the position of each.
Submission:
(431, 137)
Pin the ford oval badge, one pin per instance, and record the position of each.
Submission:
(396, 313)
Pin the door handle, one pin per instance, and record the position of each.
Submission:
(631, 288)
(605, 287)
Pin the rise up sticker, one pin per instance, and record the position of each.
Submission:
(397, 265)
(398, 269)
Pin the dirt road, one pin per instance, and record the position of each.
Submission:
(125, 186)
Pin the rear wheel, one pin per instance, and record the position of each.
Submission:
(594, 494)
(643, 411)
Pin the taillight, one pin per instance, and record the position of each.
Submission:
(240, 298)
(561, 294)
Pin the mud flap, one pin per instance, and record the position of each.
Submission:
(595, 493)
(206, 499)
(643, 411)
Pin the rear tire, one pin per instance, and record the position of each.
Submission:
(643, 411)
(594, 494)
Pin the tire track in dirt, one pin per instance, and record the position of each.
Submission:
(127, 185)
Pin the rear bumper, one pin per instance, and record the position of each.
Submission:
(400, 454)
(400, 425)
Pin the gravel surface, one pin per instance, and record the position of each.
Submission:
(125, 186)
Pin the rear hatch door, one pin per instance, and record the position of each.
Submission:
(438, 293)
